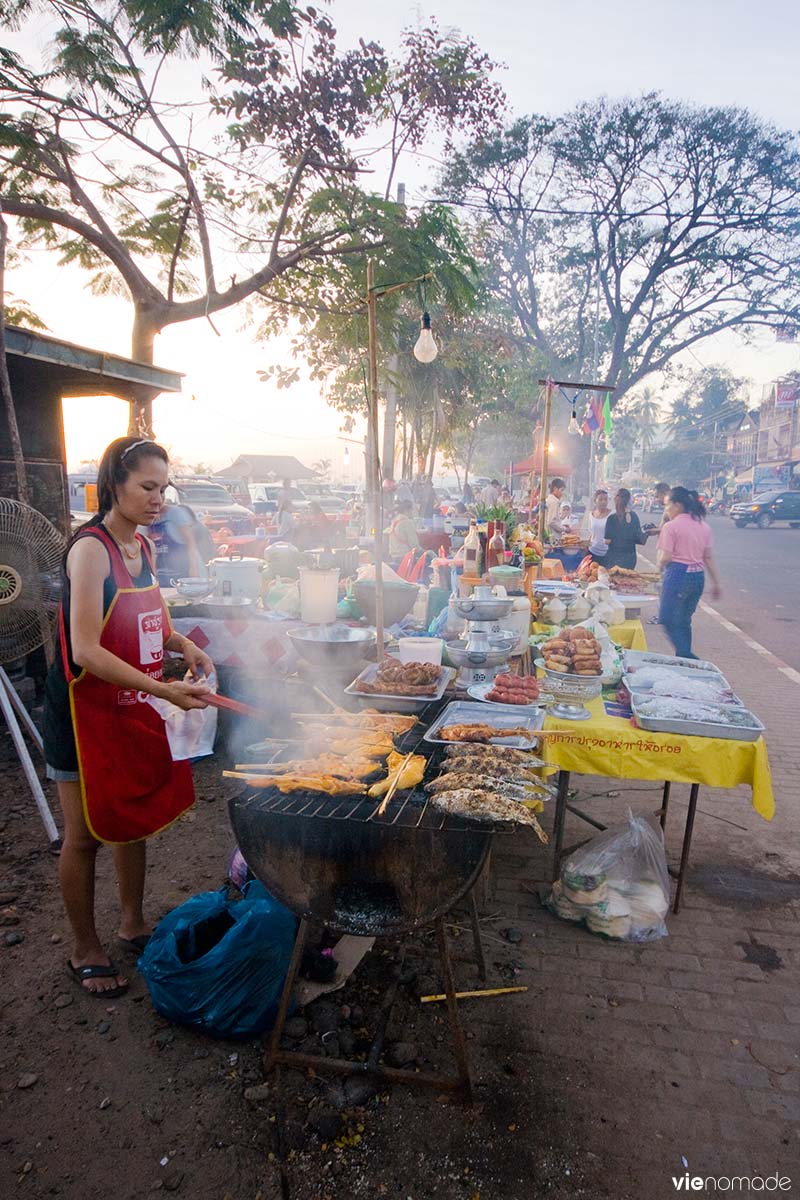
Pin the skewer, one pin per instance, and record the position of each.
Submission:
(506, 991)
(324, 696)
(384, 804)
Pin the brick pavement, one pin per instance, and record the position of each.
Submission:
(688, 1047)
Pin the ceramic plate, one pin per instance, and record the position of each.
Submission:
(478, 692)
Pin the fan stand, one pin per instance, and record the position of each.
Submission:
(13, 707)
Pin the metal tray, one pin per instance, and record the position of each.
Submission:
(735, 733)
(400, 704)
(715, 676)
(462, 712)
(633, 659)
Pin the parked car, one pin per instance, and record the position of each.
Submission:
(212, 501)
(767, 508)
(266, 497)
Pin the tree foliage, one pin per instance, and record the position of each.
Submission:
(260, 180)
(668, 223)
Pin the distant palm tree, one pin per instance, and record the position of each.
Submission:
(682, 416)
(645, 410)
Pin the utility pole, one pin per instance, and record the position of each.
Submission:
(390, 412)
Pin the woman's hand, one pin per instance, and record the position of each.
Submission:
(716, 591)
(196, 660)
(186, 695)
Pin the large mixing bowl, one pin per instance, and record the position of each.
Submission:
(332, 645)
(398, 599)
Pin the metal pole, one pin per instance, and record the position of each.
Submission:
(595, 365)
(27, 765)
(374, 465)
(548, 401)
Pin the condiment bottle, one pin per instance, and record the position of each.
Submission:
(496, 548)
(472, 551)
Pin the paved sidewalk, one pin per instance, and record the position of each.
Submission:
(687, 1048)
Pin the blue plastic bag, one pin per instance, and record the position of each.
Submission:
(219, 965)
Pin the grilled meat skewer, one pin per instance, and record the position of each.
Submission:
(499, 754)
(448, 781)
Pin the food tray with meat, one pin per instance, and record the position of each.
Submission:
(464, 721)
(390, 691)
(662, 714)
(633, 660)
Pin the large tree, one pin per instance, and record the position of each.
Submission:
(633, 230)
(193, 205)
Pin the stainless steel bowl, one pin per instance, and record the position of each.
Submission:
(193, 587)
(483, 610)
(498, 651)
(332, 645)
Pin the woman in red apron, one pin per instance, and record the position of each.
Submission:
(105, 745)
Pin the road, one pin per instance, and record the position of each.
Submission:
(760, 570)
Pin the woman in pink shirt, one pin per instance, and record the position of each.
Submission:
(684, 556)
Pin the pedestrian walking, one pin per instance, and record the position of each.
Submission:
(685, 554)
(623, 533)
(594, 526)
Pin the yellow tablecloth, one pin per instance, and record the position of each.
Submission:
(612, 747)
(629, 634)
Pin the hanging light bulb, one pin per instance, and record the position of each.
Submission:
(573, 427)
(425, 348)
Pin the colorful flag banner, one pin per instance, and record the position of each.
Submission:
(608, 423)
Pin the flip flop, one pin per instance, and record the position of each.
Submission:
(136, 944)
(97, 971)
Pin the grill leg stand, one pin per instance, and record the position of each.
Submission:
(559, 823)
(687, 844)
(459, 1044)
(476, 936)
(665, 805)
(286, 996)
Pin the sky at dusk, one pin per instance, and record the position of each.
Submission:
(717, 52)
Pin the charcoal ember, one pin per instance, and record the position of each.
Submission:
(358, 1089)
(325, 1016)
(347, 1042)
(331, 1045)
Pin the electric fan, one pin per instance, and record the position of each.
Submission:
(30, 589)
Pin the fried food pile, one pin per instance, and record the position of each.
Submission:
(402, 679)
(623, 579)
(575, 651)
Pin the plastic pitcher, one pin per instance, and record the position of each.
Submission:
(319, 594)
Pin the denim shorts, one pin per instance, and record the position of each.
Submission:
(59, 776)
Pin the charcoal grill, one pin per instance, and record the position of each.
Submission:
(359, 868)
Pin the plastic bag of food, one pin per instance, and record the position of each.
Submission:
(191, 732)
(617, 884)
(218, 964)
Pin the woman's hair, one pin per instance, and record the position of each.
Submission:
(689, 501)
(621, 501)
(600, 492)
(122, 456)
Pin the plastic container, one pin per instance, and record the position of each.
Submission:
(319, 595)
(421, 650)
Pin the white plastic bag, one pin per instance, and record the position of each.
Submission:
(617, 884)
(190, 732)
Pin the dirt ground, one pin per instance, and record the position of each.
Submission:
(126, 1104)
(618, 1064)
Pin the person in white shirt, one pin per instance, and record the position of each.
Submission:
(553, 505)
(594, 525)
(491, 494)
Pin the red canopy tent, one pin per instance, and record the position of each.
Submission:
(534, 463)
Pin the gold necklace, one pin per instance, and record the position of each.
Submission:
(130, 554)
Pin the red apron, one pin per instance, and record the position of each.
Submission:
(130, 785)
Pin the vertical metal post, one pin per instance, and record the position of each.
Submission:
(548, 403)
(286, 996)
(694, 792)
(459, 1044)
(559, 822)
(374, 464)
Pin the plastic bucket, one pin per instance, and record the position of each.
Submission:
(421, 650)
(319, 595)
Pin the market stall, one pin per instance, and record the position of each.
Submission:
(611, 747)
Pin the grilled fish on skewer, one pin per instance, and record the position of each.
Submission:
(481, 768)
(496, 782)
(510, 791)
(500, 754)
(486, 806)
(301, 783)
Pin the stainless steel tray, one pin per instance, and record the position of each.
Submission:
(509, 716)
(630, 681)
(400, 704)
(736, 733)
(633, 659)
